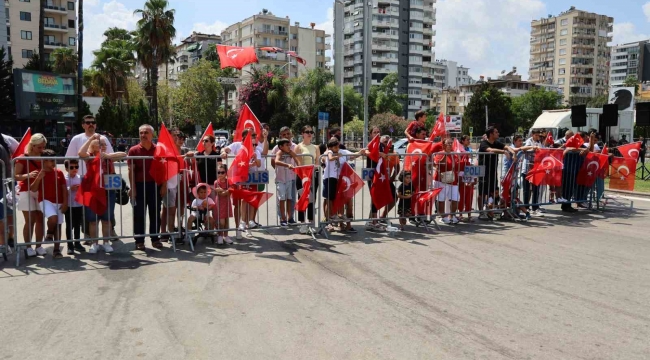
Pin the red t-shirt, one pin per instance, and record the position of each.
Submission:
(28, 166)
(411, 126)
(449, 163)
(53, 187)
(141, 168)
(437, 147)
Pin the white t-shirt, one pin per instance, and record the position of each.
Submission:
(197, 202)
(282, 173)
(333, 168)
(234, 150)
(13, 143)
(72, 193)
(75, 145)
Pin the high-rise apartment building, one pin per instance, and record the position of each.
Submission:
(4, 38)
(628, 60)
(570, 50)
(60, 21)
(402, 42)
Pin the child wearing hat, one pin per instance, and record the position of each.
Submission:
(201, 206)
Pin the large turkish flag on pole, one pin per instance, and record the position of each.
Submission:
(236, 57)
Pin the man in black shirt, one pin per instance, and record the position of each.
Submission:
(488, 186)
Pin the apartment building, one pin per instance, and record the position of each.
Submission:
(510, 84)
(22, 27)
(570, 50)
(631, 59)
(4, 38)
(402, 42)
(267, 30)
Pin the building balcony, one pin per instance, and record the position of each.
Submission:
(59, 10)
(51, 45)
(328, 46)
(384, 36)
(381, 70)
(56, 28)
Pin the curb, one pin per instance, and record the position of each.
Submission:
(629, 193)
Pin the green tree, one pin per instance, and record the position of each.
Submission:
(8, 108)
(499, 110)
(355, 126)
(108, 117)
(135, 91)
(266, 95)
(113, 62)
(528, 107)
(165, 98)
(65, 61)
(92, 81)
(199, 95)
(305, 93)
(384, 99)
(632, 81)
(34, 64)
(138, 115)
(388, 121)
(156, 29)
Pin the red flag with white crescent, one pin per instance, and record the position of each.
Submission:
(254, 198)
(439, 128)
(166, 163)
(305, 174)
(631, 151)
(622, 174)
(238, 171)
(208, 131)
(591, 168)
(247, 120)
(348, 185)
(236, 57)
(380, 193)
(20, 150)
(548, 168)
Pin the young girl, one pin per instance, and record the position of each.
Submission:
(223, 211)
(201, 206)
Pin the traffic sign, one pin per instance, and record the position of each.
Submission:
(323, 120)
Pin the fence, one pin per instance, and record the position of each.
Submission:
(449, 184)
(4, 214)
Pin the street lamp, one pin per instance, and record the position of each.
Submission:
(342, 3)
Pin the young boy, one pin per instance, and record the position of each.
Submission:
(285, 161)
(52, 197)
(74, 215)
(404, 194)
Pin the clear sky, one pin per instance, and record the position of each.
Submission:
(485, 35)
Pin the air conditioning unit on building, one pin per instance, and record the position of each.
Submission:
(374, 63)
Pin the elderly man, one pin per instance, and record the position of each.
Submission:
(145, 193)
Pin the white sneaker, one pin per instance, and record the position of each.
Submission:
(228, 240)
(219, 240)
(304, 229)
(94, 248)
(454, 220)
(446, 220)
(561, 200)
(252, 224)
(242, 226)
(40, 251)
(9, 250)
(30, 252)
(538, 213)
(107, 248)
(238, 234)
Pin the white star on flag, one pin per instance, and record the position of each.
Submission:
(382, 178)
(548, 171)
(242, 163)
(589, 174)
(623, 178)
(162, 160)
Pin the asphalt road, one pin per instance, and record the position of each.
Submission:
(558, 287)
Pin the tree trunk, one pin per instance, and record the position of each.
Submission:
(80, 58)
(154, 90)
(41, 36)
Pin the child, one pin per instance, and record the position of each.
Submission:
(200, 206)
(74, 215)
(283, 181)
(53, 198)
(223, 210)
(404, 194)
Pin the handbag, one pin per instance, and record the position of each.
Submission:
(123, 196)
(447, 177)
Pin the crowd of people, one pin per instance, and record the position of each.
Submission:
(48, 197)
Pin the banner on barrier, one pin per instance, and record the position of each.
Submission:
(112, 181)
(475, 171)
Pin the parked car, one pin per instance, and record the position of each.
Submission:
(400, 146)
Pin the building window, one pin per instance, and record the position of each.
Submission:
(7, 13)
(49, 39)
(71, 24)
(319, 52)
(25, 16)
(27, 54)
(23, 0)
(564, 32)
(562, 42)
(564, 22)
(72, 41)
(319, 39)
(319, 64)
(562, 61)
(562, 51)
(562, 71)
(70, 5)
(560, 81)
(49, 21)
(25, 35)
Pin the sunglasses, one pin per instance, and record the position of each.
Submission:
(254, 135)
(206, 141)
(309, 132)
(72, 167)
(221, 172)
(90, 122)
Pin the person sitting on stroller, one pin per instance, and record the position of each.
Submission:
(201, 207)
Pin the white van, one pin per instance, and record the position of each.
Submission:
(554, 120)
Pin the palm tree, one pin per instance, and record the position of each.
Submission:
(65, 61)
(114, 61)
(156, 27)
(41, 36)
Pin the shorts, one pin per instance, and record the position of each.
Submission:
(108, 214)
(488, 186)
(404, 209)
(50, 209)
(449, 192)
(285, 190)
(28, 201)
(169, 200)
(329, 188)
(9, 211)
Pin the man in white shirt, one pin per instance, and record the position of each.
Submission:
(79, 140)
(528, 163)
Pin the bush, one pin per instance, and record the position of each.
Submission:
(355, 126)
(387, 120)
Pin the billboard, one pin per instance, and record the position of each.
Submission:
(454, 123)
(41, 95)
(623, 97)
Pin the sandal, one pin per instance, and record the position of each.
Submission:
(157, 244)
(140, 247)
(57, 254)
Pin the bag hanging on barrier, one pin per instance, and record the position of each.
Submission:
(123, 196)
(447, 177)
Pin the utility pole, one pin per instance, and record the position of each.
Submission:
(367, 62)
(486, 117)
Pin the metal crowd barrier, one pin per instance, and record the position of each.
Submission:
(5, 222)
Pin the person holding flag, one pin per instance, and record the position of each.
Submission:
(306, 147)
(574, 155)
(446, 178)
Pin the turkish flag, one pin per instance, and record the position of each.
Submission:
(506, 185)
(208, 131)
(90, 192)
(575, 141)
(238, 171)
(20, 150)
(548, 168)
(373, 149)
(549, 138)
(380, 192)
(439, 128)
(622, 174)
(605, 150)
(349, 185)
(298, 58)
(236, 57)
(165, 164)
(417, 147)
(422, 203)
(306, 174)
(254, 198)
(631, 151)
(591, 168)
(247, 120)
